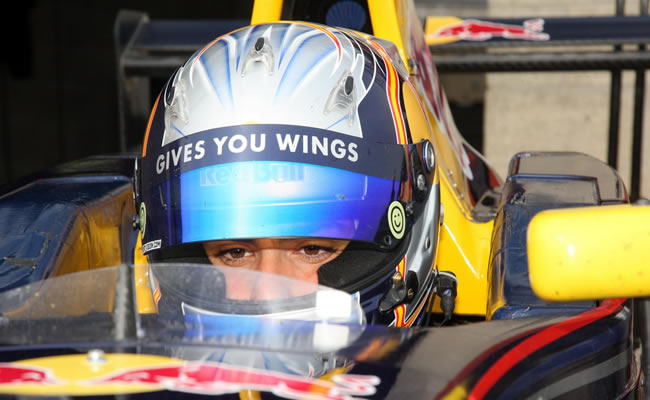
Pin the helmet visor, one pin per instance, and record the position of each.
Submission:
(255, 198)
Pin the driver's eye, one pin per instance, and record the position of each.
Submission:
(234, 253)
(312, 250)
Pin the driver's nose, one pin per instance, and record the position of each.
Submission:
(271, 262)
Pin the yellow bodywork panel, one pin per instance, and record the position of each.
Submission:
(389, 22)
(464, 249)
(266, 11)
(590, 253)
(143, 293)
(94, 239)
(464, 245)
(446, 160)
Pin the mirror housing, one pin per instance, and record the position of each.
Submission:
(590, 253)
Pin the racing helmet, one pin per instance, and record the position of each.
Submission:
(297, 130)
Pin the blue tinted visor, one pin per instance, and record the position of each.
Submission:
(282, 199)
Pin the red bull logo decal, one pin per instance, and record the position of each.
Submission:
(18, 374)
(214, 378)
(445, 30)
(174, 375)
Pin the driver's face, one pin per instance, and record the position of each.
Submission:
(294, 258)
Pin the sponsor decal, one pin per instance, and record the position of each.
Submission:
(396, 219)
(14, 374)
(154, 373)
(282, 143)
(228, 146)
(477, 30)
(227, 174)
(215, 378)
(153, 245)
(143, 218)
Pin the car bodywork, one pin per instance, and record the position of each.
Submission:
(508, 342)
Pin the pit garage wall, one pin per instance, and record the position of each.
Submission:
(58, 85)
(549, 111)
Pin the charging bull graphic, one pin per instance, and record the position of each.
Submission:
(74, 375)
(446, 30)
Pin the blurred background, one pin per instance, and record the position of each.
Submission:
(59, 100)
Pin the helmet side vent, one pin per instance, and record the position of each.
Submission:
(342, 97)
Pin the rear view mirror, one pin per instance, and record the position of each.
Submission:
(590, 253)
